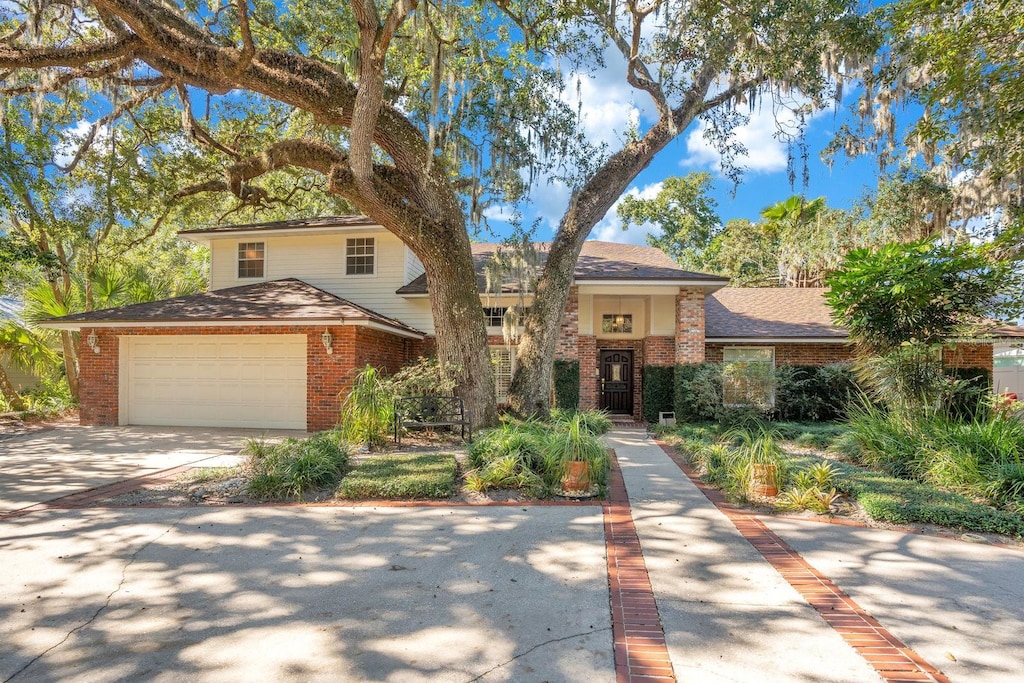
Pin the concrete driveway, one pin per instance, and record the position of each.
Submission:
(305, 594)
(46, 465)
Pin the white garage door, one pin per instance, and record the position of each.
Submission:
(215, 381)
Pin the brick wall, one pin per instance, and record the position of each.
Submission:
(98, 398)
(327, 376)
(794, 353)
(567, 347)
(659, 351)
(690, 326)
(586, 345)
(968, 356)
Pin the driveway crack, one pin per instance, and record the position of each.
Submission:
(101, 608)
(537, 647)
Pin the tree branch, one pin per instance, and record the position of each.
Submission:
(196, 131)
(248, 47)
(114, 115)
(81, 55)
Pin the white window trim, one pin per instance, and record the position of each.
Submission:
(266, 253)
(376, 259)
(771, 399)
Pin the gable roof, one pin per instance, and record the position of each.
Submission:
(770, 313)
(277, 302)
(598, 262)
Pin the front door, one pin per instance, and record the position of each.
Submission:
(617, 381)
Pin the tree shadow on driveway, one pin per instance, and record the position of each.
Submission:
(410, 594)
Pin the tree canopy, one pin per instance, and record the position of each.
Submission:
(421, 113)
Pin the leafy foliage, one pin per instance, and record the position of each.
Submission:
(294, 467)
(368, 411)
(917, 293)
(566, 378)
(658, 390)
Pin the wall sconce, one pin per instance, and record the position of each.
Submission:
(93, 342)
(328, 341)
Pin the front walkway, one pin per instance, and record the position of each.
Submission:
(750, 598)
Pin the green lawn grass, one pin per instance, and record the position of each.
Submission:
(402, 476)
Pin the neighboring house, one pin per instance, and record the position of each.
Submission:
(21, 379)
(295, 307)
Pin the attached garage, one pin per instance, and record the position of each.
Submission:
(256, 381)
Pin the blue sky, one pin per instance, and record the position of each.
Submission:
(609, 107)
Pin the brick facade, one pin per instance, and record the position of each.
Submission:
(968, 356)
(690, 326)
(793, 353)
(327, 376)
(568, 333)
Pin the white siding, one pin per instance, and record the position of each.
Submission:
(320, 261)
(413, 267)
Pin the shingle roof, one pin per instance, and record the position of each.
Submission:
(769, 313)
(609, 261)
(293, 224)
(284, 301)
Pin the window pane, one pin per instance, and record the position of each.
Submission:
(250, 259)
(748, 377)
(359, 256)
(617, 323)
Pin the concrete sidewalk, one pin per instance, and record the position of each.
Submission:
(729, 615)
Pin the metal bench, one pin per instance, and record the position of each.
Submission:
(432, 411)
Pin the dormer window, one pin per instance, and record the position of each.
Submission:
(251, 256)
(360, 256)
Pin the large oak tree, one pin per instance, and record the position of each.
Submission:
(421, 113)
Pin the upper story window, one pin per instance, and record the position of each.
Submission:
(360, 256)
(617, 323)
(251, 258)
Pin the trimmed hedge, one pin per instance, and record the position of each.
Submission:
(566, 378)
(802, 393)
(658, 391)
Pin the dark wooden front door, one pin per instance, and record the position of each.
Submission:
(617, 381)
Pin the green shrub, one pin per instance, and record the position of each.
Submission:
(594, 422)
(367, 413)
(425, 377)
(402, 476)
(573, 441)
(698, 392)
(970, 396)
(294, 466)
(659, 391)
(811, 393)
(566, 378)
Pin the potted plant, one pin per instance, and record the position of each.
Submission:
(761, 455)
(574, 457)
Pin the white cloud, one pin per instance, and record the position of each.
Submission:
(609, 229)
(766, 153)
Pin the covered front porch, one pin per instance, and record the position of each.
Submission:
(614, 331)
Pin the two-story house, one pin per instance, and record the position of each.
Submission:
(294, 307)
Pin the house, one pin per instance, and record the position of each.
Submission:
(295, 306)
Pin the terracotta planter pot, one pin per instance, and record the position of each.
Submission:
(763, 478)
(577, 477)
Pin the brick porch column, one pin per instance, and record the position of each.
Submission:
(690, 326)
(587, 350)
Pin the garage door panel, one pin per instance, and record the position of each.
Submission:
(230, 380)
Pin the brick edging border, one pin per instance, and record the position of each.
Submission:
(884, 652)
(638, 638)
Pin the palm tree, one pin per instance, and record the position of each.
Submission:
(22, 348)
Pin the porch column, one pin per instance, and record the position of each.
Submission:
(690, 326)
(587, 350)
